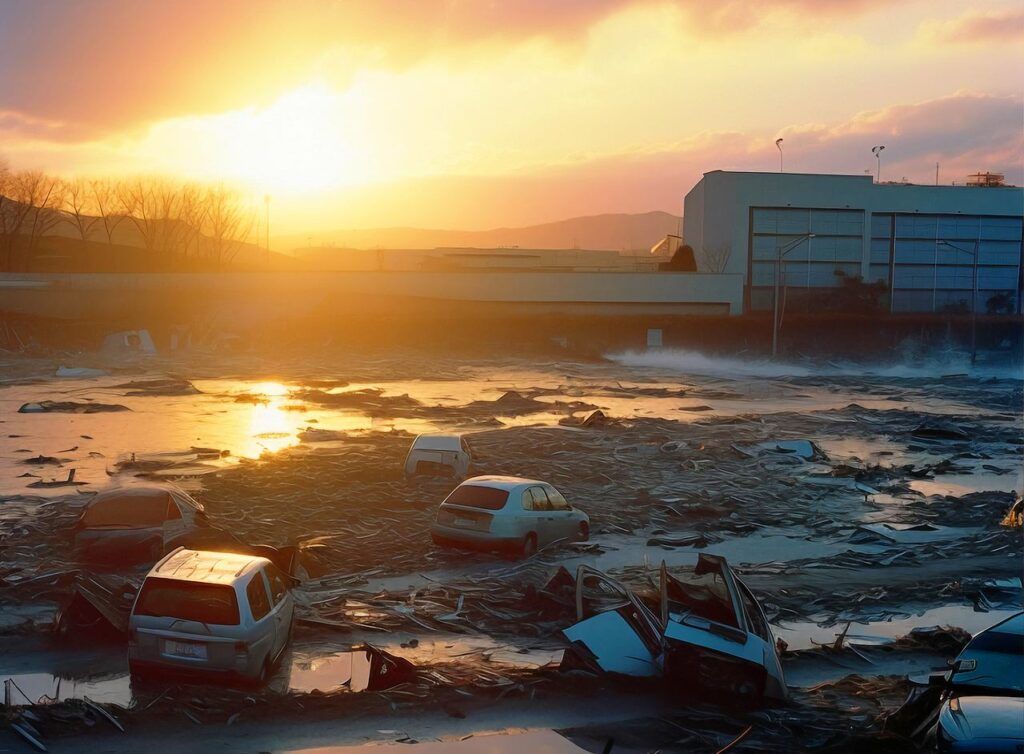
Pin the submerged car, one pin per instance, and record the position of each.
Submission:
(135, 523)
(439, 454)
(710, 632)
(211, 612)
(509, 514)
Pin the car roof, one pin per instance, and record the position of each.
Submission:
(438, 441)
(205, 566)
(501, 482)
(138, 491)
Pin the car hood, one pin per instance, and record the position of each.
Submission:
(968, 718)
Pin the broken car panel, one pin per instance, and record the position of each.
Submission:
(714, 625)
(710, 629)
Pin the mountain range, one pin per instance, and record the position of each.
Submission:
(620, 232)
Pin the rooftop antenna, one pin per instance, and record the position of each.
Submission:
(877, 152)
(778, 143)
(936, 174)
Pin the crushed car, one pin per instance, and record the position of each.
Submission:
(212, 613)
(708, 632)
(135, 523)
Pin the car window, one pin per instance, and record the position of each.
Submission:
(126, 510)
(188, 600)
(475, 496)
(756, 620)
(558, 503)
(278, 583)
(540, 499)
(173, 511)
(257, 594)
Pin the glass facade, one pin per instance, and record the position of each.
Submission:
(808, 263)
(929, 262)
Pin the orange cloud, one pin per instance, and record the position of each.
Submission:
(118, 64)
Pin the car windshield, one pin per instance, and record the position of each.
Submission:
(475, 496)
(187, 600)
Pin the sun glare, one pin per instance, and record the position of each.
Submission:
(305, 141)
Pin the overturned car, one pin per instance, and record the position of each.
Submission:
(135, 523)
(709, 631)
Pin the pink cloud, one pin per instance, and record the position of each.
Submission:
(980, 28)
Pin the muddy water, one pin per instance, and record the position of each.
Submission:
(252, 418)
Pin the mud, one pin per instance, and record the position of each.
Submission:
(895, 523)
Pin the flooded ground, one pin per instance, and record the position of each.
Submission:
(894, 524)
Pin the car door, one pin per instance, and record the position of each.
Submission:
(264, 632)
(562, 514)
(543, 518)
(284, 606)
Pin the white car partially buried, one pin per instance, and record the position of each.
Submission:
(508, 514)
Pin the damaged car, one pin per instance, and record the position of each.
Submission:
(708, 632)
(135, 523)
(439, 454)
(213, 613)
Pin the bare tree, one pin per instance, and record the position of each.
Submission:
(715, 257)
(13, 214)
(44, 196)
(80, 208)
(137, 203)
(228, 225)
(104, 195)
(192, 215)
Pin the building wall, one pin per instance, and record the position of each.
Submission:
(877, 231)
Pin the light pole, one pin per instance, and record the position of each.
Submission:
(782, 251)
(974, 293)
(877, 152)
(778, 144)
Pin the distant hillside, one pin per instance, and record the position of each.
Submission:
(620, 232)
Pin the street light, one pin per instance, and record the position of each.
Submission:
(782, 251)
(974, 293)
(877, 152)
(778, 143)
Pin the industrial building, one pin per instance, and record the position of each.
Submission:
(936, 248)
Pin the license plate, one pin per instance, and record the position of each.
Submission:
(467, 522)
(185, 649)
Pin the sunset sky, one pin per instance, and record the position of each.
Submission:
(474, 114)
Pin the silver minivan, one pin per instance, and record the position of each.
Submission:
(211, 612)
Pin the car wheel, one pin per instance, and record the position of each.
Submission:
(529, 548)
(584, 531)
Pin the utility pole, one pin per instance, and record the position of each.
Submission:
(974, 294)
(775, 299)
(778, 143)
(877, 152)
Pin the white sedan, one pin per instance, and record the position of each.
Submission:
(505, 513)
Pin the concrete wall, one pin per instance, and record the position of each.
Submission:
(269, 295)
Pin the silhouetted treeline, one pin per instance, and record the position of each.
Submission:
(136, 224)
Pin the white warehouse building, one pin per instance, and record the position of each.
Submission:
(936, 248)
